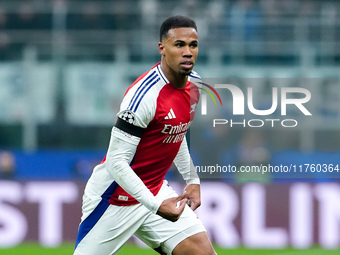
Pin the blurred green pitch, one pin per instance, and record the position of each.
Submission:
(67, 249)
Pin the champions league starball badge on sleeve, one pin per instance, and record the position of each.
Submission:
(128, 117)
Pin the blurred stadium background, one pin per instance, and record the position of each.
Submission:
(65, 64)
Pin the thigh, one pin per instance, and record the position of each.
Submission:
(159, 232)
(105, 230)
(197, 244)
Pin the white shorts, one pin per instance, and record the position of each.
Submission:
(106, 234)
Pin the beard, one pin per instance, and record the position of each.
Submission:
(185, 71)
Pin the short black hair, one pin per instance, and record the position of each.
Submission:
(175, 22)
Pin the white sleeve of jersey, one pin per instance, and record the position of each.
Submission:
(185, 165)
(121, 151)
(138, 107)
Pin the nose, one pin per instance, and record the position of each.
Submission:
(187, 52)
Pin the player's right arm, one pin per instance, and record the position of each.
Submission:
(122, 148)
(120, 153)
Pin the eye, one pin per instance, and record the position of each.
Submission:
(194, 45)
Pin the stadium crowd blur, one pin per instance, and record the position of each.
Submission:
(266, 28)
(243, 32)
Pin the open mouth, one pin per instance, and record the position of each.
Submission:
(187, 64)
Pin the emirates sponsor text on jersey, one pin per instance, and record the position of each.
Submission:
(175, 133)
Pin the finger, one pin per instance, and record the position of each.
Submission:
(194, 206)
(181, 206)
(191, 203)
(181, 197)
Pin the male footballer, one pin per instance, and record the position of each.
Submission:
(126, 193)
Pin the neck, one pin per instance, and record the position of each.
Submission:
(177, 80)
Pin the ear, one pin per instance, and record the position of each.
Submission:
(161, 48)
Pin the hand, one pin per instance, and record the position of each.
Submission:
(193, 194)
(169, 209)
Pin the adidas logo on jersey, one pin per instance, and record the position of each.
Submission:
(171, 115)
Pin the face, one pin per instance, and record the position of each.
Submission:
(179, 50)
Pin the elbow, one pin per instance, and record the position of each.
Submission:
(116, 167)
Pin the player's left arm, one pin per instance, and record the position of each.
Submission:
(187, 169)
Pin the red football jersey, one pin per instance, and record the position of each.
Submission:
(165, 114)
